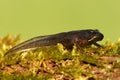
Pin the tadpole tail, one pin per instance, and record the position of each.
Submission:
(21, 47)
(30, 44)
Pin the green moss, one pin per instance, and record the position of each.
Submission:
(56, 62)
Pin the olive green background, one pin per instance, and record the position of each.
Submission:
(32, 18)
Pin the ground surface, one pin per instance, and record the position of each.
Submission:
(57, 63)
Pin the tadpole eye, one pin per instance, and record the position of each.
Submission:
(92, 32)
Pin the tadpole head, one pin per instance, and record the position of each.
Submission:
(95, 35)
(92, 36)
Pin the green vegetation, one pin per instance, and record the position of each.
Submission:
(58, 63)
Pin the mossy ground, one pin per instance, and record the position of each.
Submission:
(58, 63)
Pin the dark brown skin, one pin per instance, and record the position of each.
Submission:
(81, 38)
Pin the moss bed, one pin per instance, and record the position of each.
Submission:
(58, 63)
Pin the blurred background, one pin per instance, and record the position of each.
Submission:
(32, 18)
